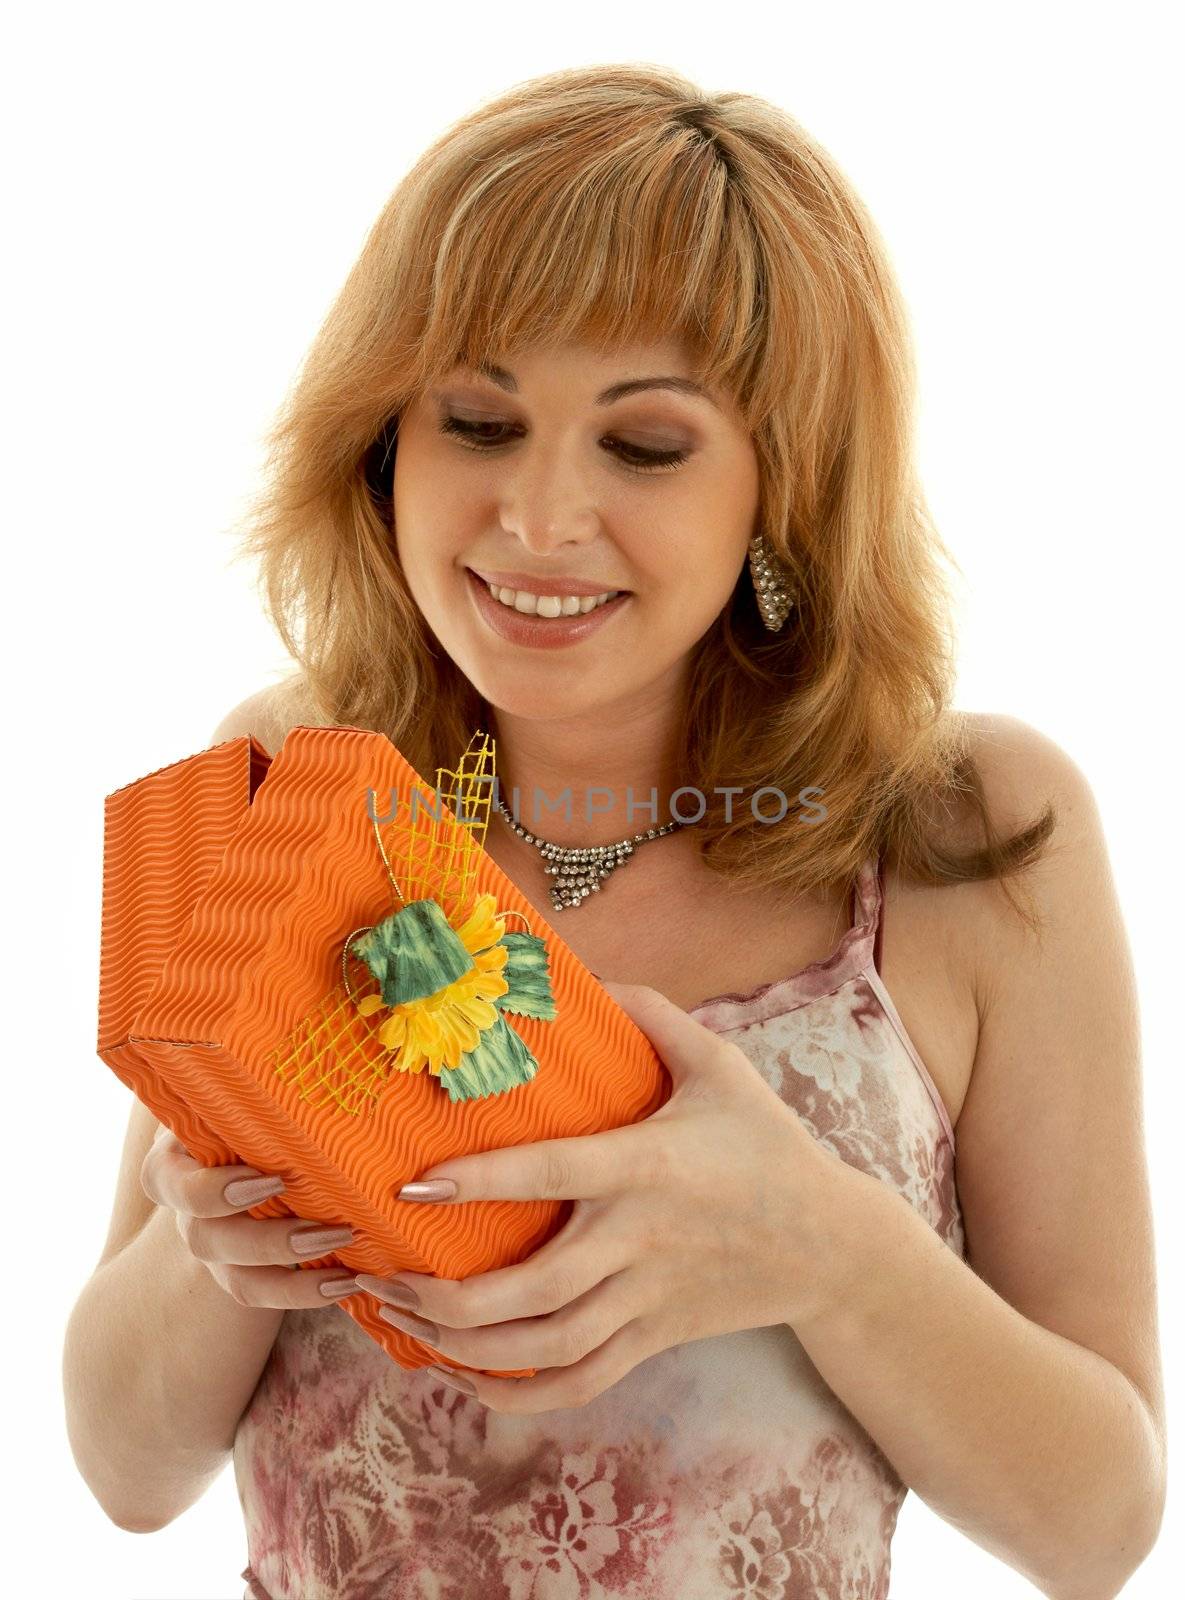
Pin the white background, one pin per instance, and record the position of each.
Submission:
(187, 187)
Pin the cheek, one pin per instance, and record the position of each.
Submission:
(699, 576)
(698, 542)
(429, 512)
(434, 585)
(430, 538)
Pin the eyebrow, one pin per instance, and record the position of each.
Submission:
(615, 391)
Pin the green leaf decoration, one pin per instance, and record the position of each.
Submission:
(414, 953)
(529, 994)
(499, 1061)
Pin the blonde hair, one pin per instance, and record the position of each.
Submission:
(615, 204)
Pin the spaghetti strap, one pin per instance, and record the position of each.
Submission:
(867, 901)
(875, 881)
(865, 895)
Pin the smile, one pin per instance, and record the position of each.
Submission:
(550, 605)
(543, 621)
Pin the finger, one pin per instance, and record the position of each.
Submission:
(172, 1177)
(563, 1269)
(587, 1167)
(563, 1388)
(558, 1340)
(684, 1045)
(257, 1242)
(283, 1289)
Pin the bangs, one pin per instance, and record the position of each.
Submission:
(615, 242)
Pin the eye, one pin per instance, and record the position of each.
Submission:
(632, 456)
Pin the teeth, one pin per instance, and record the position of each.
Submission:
(550, 605)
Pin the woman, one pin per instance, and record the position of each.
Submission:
(607, 445)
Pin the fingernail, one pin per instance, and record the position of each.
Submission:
(416, 1326)
(435, 1189)
(250, 1191)
(395, 1294)
(318, 1241)
(453, 1379)
(336, 1288)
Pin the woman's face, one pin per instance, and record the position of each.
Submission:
(545, 481)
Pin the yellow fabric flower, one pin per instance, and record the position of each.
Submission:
(437, 1031)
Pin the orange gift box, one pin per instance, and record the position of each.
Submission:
(301, 954)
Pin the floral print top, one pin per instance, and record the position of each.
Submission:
(721, 1469)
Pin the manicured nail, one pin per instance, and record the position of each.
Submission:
(395, 1294)
(336, 1288)
(250, 1191)
(416, 1326)
(319, 1241)
(435, 1189)
(453, 1379)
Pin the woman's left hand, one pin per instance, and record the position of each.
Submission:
(716, 1213)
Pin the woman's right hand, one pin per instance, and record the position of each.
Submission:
(251, 1258)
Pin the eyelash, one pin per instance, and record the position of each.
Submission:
(652, 460)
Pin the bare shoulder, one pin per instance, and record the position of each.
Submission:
(947, 951)
(1024, 773)
(1022, 768)
(267, 715)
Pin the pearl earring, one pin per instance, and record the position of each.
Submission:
(774, 600)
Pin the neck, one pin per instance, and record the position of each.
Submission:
(577, 779)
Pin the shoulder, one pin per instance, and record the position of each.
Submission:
(267, 715)
(954, 953)
(1022, 769)
(976, 924)
(1025, 773)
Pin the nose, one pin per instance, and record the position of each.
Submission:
(548, 507)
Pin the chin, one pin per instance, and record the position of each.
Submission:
(537, 701)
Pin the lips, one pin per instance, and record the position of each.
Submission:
(527, 628)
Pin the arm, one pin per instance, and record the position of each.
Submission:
(159, 1363)
(1019, 1392)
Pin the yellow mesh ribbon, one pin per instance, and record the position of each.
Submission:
(342, 1052)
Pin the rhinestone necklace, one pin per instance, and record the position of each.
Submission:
(580, 871)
